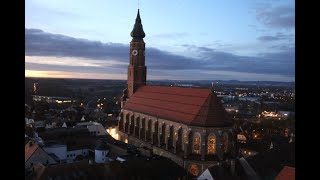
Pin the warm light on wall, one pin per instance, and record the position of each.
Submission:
(113, 132)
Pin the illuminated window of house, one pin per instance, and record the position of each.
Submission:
(196, 143)
(211, 144)
(194, 170)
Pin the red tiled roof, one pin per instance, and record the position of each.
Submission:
(195, 107)
(29, 150)
(287, 173)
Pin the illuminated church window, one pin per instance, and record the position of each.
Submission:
(196, 143)
(211, 144)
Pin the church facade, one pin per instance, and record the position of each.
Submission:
(188, 125)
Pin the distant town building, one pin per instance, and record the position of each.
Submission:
(286, 114)
(95, 128)
(53, 99)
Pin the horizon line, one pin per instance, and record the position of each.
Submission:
(156, 79)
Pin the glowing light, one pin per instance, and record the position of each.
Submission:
(113, 132)
(32, 73)
(65, 74)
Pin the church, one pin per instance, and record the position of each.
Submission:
(188, 125)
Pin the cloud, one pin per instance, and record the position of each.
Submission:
(277, 37)
(39, 43)
(54, 52)
(281, 63)
(277, 17)
(268, 38)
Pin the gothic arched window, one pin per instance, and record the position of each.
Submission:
(196, 143)
(211, 144)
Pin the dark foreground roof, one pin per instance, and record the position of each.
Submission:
(157, 168)
(269, 163)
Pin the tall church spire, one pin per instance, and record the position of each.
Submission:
(137, 32)
(137, 71)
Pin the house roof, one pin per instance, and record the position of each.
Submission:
(29, 149)
(102, 147)
(190, 106)
(76, 170)
(287, 173)
(250, 172)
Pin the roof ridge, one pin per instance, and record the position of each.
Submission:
(210, 104)
(201, 106)
(33, 151)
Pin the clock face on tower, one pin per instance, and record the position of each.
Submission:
(134, 52)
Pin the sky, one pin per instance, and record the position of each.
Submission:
(247, 40)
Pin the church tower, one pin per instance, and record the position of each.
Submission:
(137, 71)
